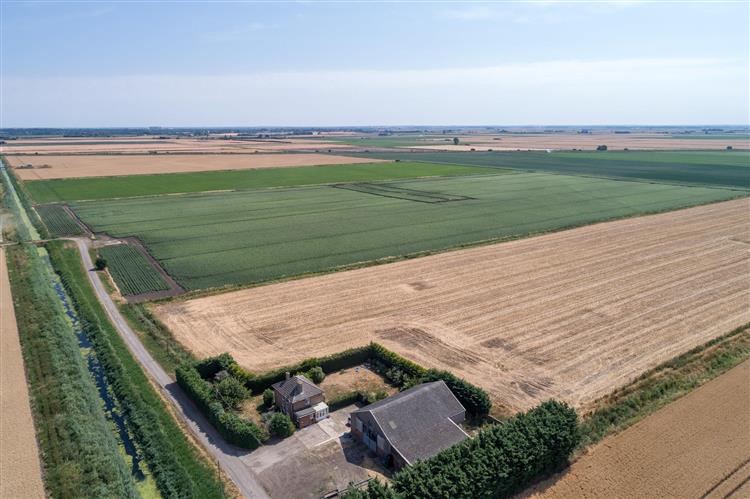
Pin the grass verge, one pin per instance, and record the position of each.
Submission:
(664, 384)
(79, 451)
(177, 466)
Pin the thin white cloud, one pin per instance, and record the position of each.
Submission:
(469, 13)
(635, 91)
(235, 34)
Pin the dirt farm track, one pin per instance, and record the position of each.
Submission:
(571, 315)
(698, 446)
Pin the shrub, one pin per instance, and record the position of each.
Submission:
(231, 392)
(268, 397)
(374, 396)
(100, 263)
(316, 374)
(280, 425)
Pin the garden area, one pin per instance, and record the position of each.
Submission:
(241, 404)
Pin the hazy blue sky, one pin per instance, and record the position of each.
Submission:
(310, 63)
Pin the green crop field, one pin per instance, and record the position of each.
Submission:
(59, 223)
(720, 168)
(132, 272)
(214, 239)
(47, 191)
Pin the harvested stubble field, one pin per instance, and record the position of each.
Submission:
(723, 169)
(144, 145)
(20, 469)
(216, 239)
(60, 167)
(567, 141)
(570, 315)
(697, 446)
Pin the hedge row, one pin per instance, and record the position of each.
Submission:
(474, 399)
(329, 363)
(498, 462)
(233, 428)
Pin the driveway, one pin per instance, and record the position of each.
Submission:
(313, 461)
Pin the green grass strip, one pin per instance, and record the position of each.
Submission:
(666, 383)
(47, 191)
(177, 467)
(79, 451)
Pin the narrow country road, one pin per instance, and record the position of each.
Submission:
(227, 456)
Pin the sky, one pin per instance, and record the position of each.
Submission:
(180, 63)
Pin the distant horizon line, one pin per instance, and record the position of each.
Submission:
(375, 126)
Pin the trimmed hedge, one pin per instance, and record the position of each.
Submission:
(474, 399)
(393, 359)
(343, 400)
(498, 462)
(233, 428)
(329, 363)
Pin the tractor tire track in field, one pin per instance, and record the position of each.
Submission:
(571, 315)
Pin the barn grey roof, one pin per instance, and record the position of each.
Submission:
(417, 422)
(297, 388)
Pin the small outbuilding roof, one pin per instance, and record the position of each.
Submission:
(297, 388)
(417, 422)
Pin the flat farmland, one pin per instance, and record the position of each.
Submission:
(76, 189)
(571, 315)
(697, 446)
(143, 145)
(722, 169)
(216, 239)
(58, 167)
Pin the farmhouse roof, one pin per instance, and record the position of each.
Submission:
(417, 422)
(297, 388)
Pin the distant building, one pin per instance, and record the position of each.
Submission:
(414, 424)
(301, 400)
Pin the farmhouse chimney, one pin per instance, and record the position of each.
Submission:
(287, 375)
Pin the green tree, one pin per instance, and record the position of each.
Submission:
(455, 141)
(268, 397)
(231, 392)
(316, 374)
(280, 425)
(100, 263)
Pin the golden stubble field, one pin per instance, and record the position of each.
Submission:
(571, 315)
(20, 469)
(568, 141)
(143, 145)
(698, 446)
(50, 167)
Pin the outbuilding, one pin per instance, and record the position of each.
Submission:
(414, 424)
